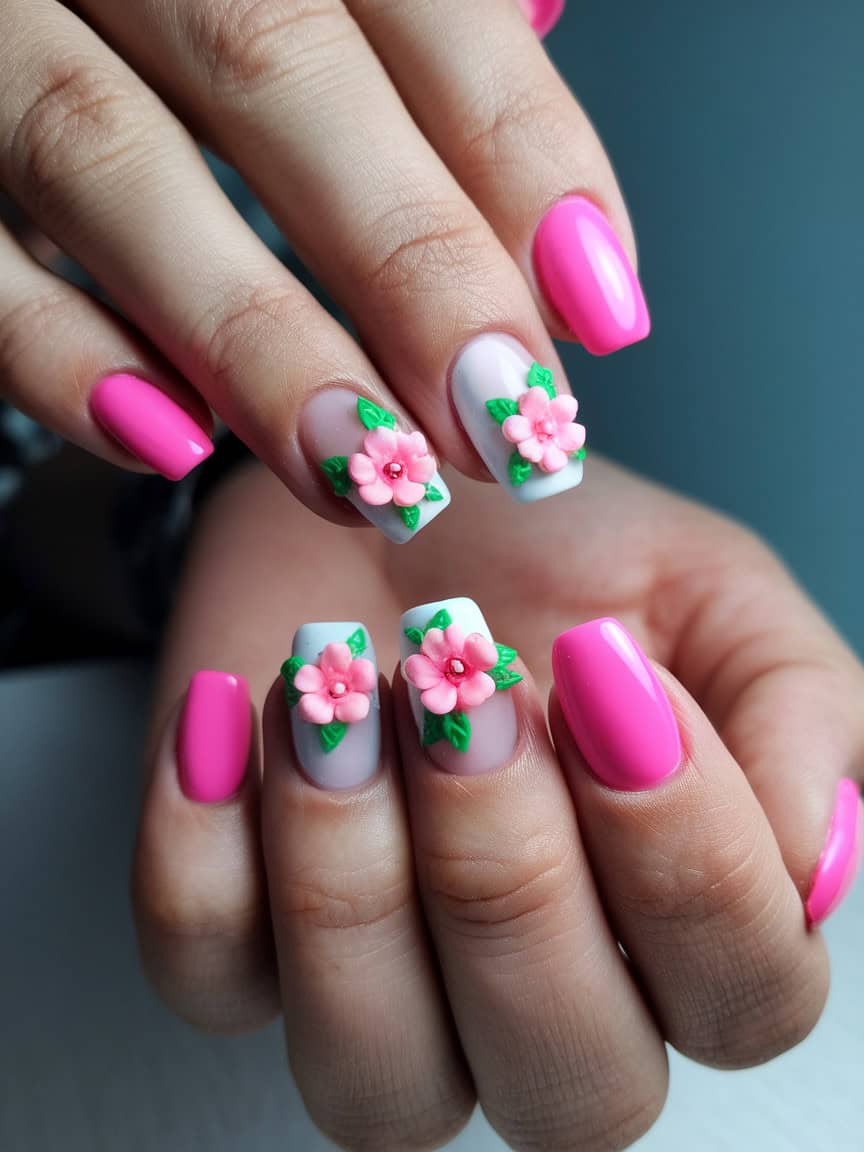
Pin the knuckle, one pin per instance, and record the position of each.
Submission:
(398, 1118)
(190, 906)
(518, 115)
(377, 896)
(27, 325)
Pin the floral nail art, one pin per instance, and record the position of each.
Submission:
(455, 673)
(334, 692)
(541, 426)
(394, 466)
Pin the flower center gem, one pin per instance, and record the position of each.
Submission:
(546, 428)
(339, 689)
(455, 668)
(393, 470)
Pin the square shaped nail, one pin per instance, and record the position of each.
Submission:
(522, 426)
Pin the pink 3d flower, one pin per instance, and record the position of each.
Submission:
(393, 466)
(544, 432)
(338, 687)
(451, 669)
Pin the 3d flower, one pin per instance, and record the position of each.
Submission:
(451, 669)
(338, 687)
(543, 430)
(393, 466)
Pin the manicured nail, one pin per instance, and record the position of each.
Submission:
(149, 424)
(542, 15)
(587, 277)
(615, 706)
(387, 472)
(214, 736)
(521, 426)
(458, 681)
(331, 687)
(841, 857)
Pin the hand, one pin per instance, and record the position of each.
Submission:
(430, 935)
(423, 159)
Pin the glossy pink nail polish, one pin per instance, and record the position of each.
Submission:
(542, 15)
(841, 856)
(214, 736)
(586, 276)
(149, 424)
(615, 706)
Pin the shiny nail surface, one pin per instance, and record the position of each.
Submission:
(841, 857)
(458, 683)
(149, 424)
(331, 687)
(523, 426)
(615, 707)
(587, 277)
(387, 471)
(542, 15)
(214, 736)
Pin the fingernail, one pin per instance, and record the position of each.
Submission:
(542, 15)
(331, 687)
(841, 857)
(214, 736)
(458, 682)
(385, 470)
(615, 706)
(587, 277)
(149, 424)
(521, 426)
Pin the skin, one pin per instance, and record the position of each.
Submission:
(431, 939)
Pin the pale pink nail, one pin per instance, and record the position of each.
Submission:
(841, 856)
(587, 277)
(615, 706)
(214, 736)
(542, 15)
(149, 424)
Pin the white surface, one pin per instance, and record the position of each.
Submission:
(91, 1062)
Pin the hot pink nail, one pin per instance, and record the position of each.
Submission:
(841, 856)
(587, 277)
(542, 15)
(214, 736)
(615, 706)
(149, 424)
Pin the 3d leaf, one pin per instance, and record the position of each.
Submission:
(580, 455)
(357, 642)
(371, 416)
(505, 655)
(410, 517)
(518, 469)
(501, 408)
(442, 619)
(503, 677)
(433, 494)
(336, 471)
(540, 377)
(457, 729)
(332, 734)
(415, 635)
(288, 671)
(433, 728)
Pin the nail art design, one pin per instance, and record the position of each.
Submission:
(214, 736)
(453, 671)
(841, 857)
(521, 426)
(392, 477)
(542, 15)
(331, 687)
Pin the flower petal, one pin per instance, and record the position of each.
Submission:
(361, 675)
(531, 449)
(475, 688)
(352, 708)
(553, 458)
(380, 444)
(421, 469)
(406, 493)
(309, 678)
(376, 493)
(435, 646)
(361, 469)
(421, 672)
(316, 708)
(480, 652)
(571, 437)
(534, 404)
(441, 699)
(414, 444)
(563, 408)
(455, 637)
(336, 658)
(516, 428)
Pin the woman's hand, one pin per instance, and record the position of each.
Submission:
(425, 160)
(433, 936)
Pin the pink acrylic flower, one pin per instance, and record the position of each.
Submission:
(451, 669)
(544, 432)
(393, 466)
(338, 687)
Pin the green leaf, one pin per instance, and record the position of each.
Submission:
(501, 408)
(288, 671)
(410, 517)
(519, 469)
(371, 416)
(457, 729)
(433, 728)
(503, 677)
(415, 635)
(433, 494)
(505, 655)
(332, 734)
(580, 455)
(357, 642)
(442, 619)
(336, 471)
(540, 377)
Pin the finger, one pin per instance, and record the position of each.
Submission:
(688, 867)
(489, 99)
(785, 693)
(65, 360)
(85, 143)
(369, 1035)
(294, 96)
(199, 889)
(557, 1036)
